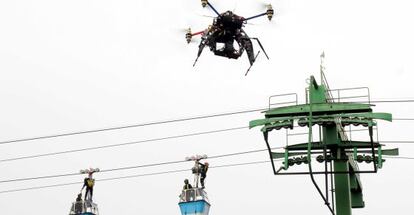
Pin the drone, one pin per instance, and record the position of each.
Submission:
(226, 29)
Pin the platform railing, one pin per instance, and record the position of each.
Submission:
(193, 194)
(283, 99)
(354, 94)
(80, 207)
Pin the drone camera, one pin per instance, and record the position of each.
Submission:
(270, 12)
(204, 3)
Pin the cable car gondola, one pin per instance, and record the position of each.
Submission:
(84, 208)
(194, 200)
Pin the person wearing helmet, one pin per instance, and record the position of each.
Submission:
(79, 204)
(203, 173)
(187, 185)
(88, 182)
(187, 194)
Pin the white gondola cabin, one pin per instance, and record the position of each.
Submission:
(84, 208)
(194, 201)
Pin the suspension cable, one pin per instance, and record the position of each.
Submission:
(130, 176)
(132, 167)
(122, 144)
(162, 122)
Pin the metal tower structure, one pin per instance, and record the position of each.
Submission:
(331, 116)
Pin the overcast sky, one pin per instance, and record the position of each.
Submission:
(79, 65)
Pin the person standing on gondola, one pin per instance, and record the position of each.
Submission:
(187, 185)
(203, 173)
(88, 182)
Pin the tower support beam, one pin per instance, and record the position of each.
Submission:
(342, 185)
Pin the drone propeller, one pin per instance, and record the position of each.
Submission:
(206, 4)
(188, 35)
(269, 13)
(271, 9)
(235, 6)
(262, 5)
(207, 16)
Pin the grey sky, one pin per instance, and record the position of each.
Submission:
(78, 65)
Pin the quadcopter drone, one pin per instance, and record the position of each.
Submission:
(226, 29)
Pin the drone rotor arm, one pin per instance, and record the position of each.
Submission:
(269, 13)
(197, 33)
(253, 17)
(189, 35)
(214, 9)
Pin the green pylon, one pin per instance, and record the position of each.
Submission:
(317, 95)
(334, 146)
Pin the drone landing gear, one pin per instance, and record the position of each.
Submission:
(261, 46)
(195, 61)
(200, 50)
(254, 60)
(252, 63)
